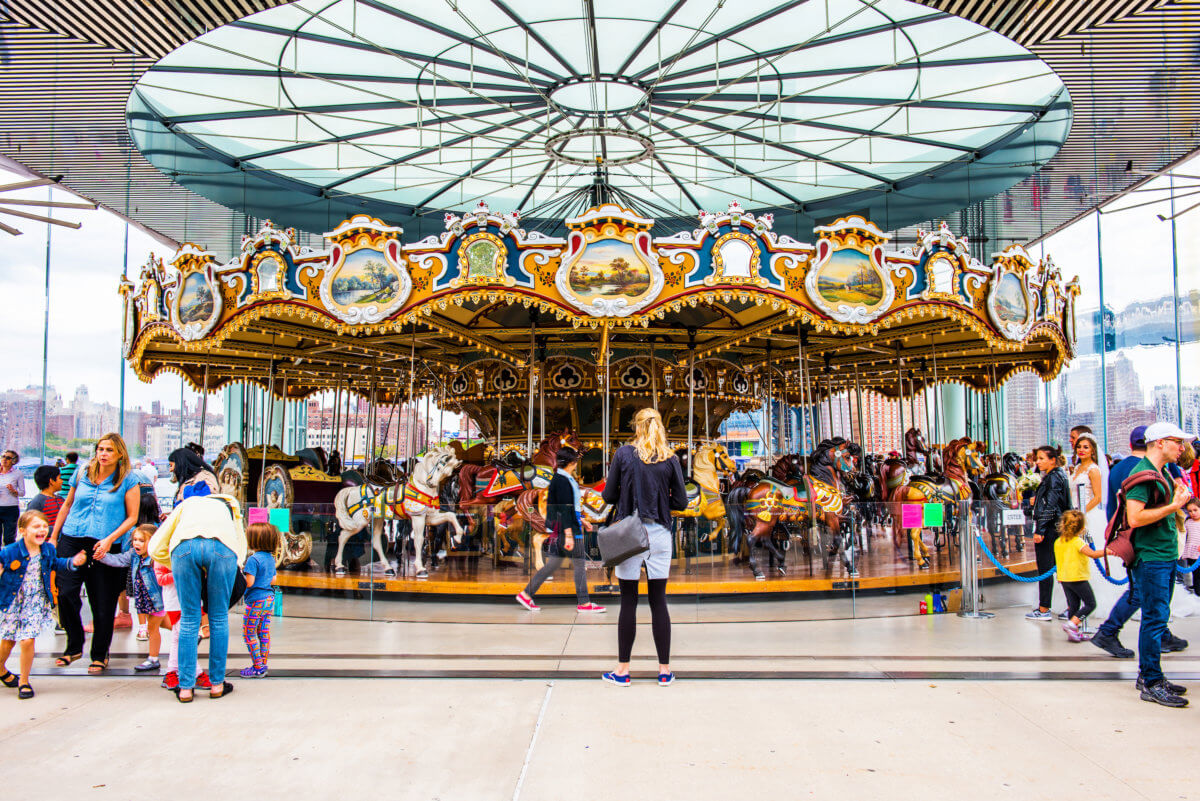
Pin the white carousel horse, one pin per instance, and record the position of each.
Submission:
(416, 500)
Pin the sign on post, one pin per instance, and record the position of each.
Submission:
(1014, 517)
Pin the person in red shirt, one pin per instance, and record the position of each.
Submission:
(49, 481)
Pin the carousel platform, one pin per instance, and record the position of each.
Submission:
(475, 575)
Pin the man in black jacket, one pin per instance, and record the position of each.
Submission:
(1052, 499)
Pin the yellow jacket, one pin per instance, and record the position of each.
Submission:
(217, 517)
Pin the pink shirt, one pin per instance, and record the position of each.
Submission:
(1191, 544)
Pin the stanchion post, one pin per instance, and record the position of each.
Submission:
(968, 565)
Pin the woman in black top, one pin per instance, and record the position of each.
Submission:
(646, 478)
(1053, 497)
(565, 527)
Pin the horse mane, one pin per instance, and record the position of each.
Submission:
(821, 463)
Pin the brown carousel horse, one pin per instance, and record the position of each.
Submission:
(502, 487)
(954, 485)
(760, 510)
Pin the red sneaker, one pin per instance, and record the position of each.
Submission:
(596, 609)
(527, 602)
(123, 620)
(203, 682)
(171, 680)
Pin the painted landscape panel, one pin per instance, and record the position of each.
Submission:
(196, 300)
(609, 268)
(849, 277)
(365, 278)
(1010, 300)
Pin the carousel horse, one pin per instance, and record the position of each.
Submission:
(758, 508)
(831, 463)
(999, 488)
(704, 490)
(416, 500)
(500, 485)
(959, 457)
(789, 468)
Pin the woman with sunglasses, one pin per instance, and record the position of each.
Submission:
(12, 487)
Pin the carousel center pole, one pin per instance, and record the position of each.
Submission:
(806, 394)
(862, 436)
(270, 414)
(532, 381)
(333, 431)
(606, 400)
(768, 419)
(803, 449)
(653, 376)
(938, 417)
(204, 406)
(348, 426)
(692, 396)
(900, 397)
(397, 406)
(410, 437)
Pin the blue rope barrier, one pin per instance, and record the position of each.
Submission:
(1107, 577)
(1023, 579)
(1191, 569)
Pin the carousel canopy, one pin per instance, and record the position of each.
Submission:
(488, 314)
(888, 109)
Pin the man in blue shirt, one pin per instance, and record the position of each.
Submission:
(1107, 637)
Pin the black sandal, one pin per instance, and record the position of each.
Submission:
(183, 700)
(25, 692)
(97, 667)
(226, 689)
(67, 659)
(9, 679)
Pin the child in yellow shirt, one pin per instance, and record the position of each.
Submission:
(1071, 554)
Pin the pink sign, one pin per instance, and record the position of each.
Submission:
(912, 515)
(258, 514)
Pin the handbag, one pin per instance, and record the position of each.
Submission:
(625, 538)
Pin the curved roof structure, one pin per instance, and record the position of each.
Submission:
(885, 108)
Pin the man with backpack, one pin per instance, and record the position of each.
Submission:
(1107, 637)
(1150, 507)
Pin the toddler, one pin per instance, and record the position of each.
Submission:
(262, 540)
(1071, 555)
(142, 585)
(1191, 542)
(27, 568)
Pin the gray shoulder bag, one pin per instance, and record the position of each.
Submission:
(625, 538)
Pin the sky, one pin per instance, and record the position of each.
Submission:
(85, 307)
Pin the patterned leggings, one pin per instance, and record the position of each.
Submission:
(256, 629)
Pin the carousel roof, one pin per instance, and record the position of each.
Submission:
(888, 108)
(477, 313)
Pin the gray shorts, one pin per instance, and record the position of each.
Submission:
(657, 559)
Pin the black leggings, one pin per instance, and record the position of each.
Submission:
(1081, 601)
(660, 618)
(103, 584)
(1044, 553)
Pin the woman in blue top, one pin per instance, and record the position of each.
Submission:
(100, 509)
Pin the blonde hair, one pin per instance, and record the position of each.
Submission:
(1071, 524)
(123, 467)
(146, 530)
(28, 516)
(650, 437)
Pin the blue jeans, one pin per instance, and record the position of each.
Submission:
(187, 560)
(1124, 608)
(1154, 580)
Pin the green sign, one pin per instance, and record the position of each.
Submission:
(934, 515)
(747, 449)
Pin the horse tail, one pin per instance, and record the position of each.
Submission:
(735, 512)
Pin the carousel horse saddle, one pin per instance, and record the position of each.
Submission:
(935, 487)
(353, 478)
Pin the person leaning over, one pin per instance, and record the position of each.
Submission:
(1150, 511)
(646, 478)
(1052, 499)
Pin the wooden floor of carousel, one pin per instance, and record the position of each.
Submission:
(881, 567)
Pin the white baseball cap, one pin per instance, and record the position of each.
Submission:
(1159, 431)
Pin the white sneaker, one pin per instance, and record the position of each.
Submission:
(1038, 614)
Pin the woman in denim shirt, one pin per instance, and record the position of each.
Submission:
(100, 508)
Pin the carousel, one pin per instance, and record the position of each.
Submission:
(545, 341)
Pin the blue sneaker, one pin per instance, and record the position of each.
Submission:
(620, 681)
(253, 673)
(666, 678)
